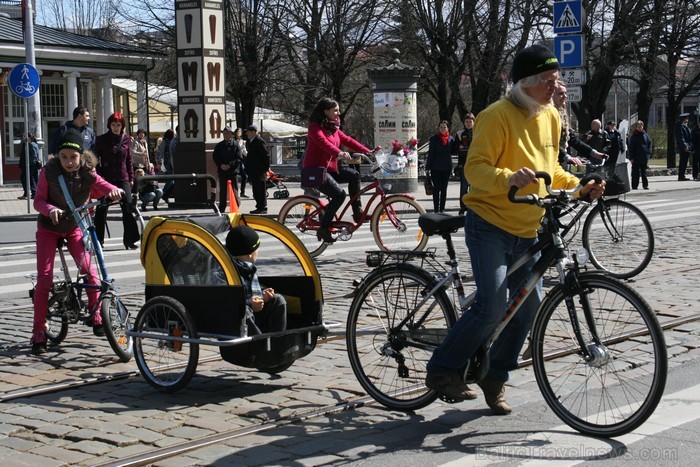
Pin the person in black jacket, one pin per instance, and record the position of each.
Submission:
(228, 159)
(617, 144)
(438, 165)
(257, 165)
(695, 135)
(464, 140)
(684, 145)
(569, 139)
(639, 151)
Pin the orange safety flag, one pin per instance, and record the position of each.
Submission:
(233, 204)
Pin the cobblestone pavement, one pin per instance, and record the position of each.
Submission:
(119, 418)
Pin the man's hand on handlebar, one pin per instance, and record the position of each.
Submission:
(523, 177)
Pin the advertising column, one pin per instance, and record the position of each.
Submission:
(200, 93)
(395, 127)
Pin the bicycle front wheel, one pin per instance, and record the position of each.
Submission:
(619, 386)
(116, 320)
(619, 238)
(395, 225)
(392, 330)
(167, 364)
(303, 217)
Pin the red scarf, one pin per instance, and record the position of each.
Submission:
(445, 138)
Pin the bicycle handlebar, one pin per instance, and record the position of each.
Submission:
(535, 199)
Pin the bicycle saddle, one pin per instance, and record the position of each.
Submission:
(440, 223)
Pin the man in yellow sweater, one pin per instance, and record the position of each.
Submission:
(513, 138)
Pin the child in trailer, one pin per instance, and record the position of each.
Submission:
(77, 169)
(267, 311)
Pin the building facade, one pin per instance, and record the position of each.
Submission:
(74, 70)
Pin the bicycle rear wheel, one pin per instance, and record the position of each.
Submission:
(395, 225)
(303, 217)
(116, 320)
(167, 365)
(618, 389)
(619, 238)
(390, 338)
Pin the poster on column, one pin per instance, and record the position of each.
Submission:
(215, 121)
(189, 36)
(190, 72)
(191, 119)
(210, 38)
(213, 74)
(395, 132)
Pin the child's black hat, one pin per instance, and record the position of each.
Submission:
(242, 240)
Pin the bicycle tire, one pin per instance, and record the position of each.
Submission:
(161, 361)
(376, 347)
(302, 216)
(617, 391)
(619, 239)
(56, 319)
(395, 225)
(116, 320)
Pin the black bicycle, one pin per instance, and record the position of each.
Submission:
(598, 351)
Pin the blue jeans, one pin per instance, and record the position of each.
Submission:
(151, 196)
(491, 250)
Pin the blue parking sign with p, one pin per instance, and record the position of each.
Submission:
(569, 50)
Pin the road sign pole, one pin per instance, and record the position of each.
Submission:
(27, 186)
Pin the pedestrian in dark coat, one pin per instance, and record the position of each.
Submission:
(695, 134)
(257, 165)
(684, 144)
(229, 162)
(114, 152)
(617, 144)
(639, 150)
(33, 166)
(439, 164)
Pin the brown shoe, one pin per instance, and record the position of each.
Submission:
(451, 386)
(495, 395)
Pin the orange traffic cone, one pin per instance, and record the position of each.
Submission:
(233, 204)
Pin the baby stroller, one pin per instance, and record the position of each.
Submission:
(275, 181)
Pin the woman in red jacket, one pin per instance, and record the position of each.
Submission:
(323, 149)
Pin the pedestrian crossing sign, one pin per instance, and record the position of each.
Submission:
(568, 17)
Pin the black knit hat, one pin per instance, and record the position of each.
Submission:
(71, 139)
(242, 240)
(533, 60)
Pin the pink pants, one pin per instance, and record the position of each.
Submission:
(46, 242)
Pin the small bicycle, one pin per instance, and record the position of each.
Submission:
(67, 304)
(393, 221)
(598, 351)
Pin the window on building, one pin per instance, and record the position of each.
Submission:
(53, 100)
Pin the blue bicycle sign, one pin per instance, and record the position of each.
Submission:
(23, 80)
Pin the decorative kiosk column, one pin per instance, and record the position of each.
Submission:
(72, 91)
(395, 123)
(200, 93)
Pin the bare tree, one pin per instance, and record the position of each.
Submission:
(79, 16)
(328, 47)
(679, 43)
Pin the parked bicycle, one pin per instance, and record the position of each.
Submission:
(616, 234)
(599, 354)
(393, 221)
(67, 302)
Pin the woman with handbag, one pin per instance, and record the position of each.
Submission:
(323, 151)
(438, 165)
